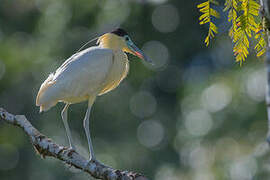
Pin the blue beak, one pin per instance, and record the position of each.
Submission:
(139, 53)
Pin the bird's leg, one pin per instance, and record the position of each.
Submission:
(64, 117)
(86, 128)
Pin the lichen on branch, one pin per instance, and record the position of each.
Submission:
(47, 148)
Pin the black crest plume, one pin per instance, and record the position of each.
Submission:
(119, 32)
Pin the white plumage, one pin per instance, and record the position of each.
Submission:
(87, 74)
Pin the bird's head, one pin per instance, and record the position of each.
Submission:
(120, 40)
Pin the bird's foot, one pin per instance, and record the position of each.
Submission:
(72, 148)
(89, 161)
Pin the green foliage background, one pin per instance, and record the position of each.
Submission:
(194, 115)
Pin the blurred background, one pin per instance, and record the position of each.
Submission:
(195, 114)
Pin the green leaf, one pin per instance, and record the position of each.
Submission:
(207, 14)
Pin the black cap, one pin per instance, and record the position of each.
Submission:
(119, 32)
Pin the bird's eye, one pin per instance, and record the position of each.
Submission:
(127, 38)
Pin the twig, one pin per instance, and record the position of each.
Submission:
(46, 147)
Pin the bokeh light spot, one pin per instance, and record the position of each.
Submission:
(158, 53)
(167, 172)
(243, 168)
(201, 157)
(150, 133)
(165, 18)
(255, 85)
(143, 104)
(261, 149)
(198, 122)
(204, 175)
(216, 97)
(113, 13)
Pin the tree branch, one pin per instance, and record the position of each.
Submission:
(46, 147)
(266, 18)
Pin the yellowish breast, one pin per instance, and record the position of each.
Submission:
(118, 72)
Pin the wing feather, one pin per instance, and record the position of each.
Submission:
(83, 74)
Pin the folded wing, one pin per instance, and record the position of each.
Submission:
(79, 77)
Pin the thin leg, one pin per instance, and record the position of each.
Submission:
(86, 128)
(64, 117)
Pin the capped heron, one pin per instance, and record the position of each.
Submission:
(88, 74)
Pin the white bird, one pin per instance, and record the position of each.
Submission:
(88, 74)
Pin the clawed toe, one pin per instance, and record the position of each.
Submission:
(88, 162)
(73, 149)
